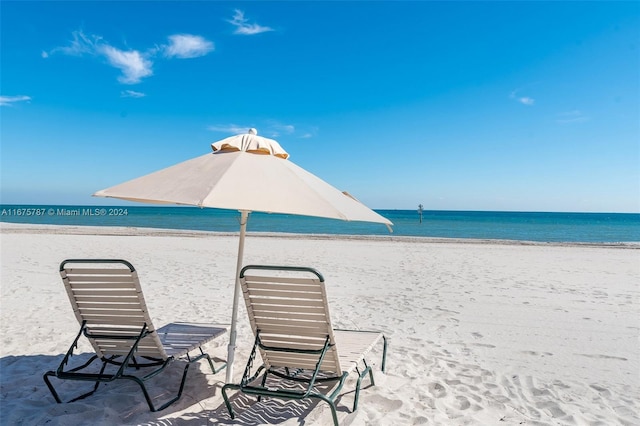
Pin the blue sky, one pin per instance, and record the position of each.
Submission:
(525, 106)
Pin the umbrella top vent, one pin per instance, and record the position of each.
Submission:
(251, 143)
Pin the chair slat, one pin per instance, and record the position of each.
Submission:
(288, 331)
(309, 316)
(97, 271)
(302, 309)
(100, 278)
(249, 279)
(101, 305)
(101, 286)
(291, 322)
(312, 287)
(105, 293)
(110, 298)
(277, 294)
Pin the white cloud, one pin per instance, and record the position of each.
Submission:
(10, 100)
(187, 46)
(574, 116)
(131, 94)
(268, 128)
(228, 128)
(133, 65)
(524, 100)
(275, 129)
(243, 27)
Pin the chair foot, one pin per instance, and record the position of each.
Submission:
(50, 386)
(226, 398)
(54, 393)
(212, 365)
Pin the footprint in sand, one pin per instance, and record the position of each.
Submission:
(437, 390)
(418, 359)
(552, 408)
(601, 390)
(386, 404)
(462, 403)
(560, 384)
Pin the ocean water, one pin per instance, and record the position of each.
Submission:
(521, 226)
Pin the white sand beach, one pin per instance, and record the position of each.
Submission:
(480, 333)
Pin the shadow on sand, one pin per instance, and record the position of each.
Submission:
(26, 400)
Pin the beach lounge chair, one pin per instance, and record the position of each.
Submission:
(107, 301)
(289, 315)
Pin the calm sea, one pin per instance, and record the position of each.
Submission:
(541, 227)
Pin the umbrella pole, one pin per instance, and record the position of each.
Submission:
(244, 217)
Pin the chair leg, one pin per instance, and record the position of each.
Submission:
(366, 371)
(384, 354)
(332, 405)
(264, 381)
(60, 373)
(210, 361)
(50, 386)
(144, 392)
(226, 398)
(147, 397)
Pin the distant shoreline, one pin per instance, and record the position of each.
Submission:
(523, 227)
(24, 228)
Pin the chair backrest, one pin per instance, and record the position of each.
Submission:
(106, 294)
(288, 305)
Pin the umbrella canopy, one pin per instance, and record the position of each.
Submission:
(246, 173)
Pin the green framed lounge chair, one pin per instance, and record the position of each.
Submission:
(289, 316)
(107, 300)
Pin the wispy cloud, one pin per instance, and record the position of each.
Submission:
(134, 64)
(81, 44)
(244, 27)
(131, 94)
(275, 129)
(309, 133)
(268, 128)
(574, 116)
(228, 128)
(524, 100)
(187, 46)
(10, 100)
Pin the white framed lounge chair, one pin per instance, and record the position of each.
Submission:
(289, 316)
(107, 300)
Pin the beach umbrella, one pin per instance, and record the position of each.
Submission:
(246, 173)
